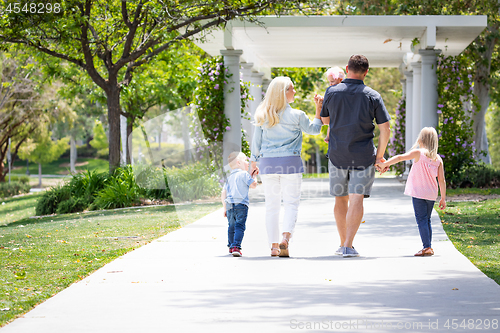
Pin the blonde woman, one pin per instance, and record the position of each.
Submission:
(277, 144)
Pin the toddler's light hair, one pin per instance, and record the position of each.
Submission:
(428, 139)
(234, 157)
(274, 102)
(336, 73)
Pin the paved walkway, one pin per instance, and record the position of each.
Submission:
(186, 281)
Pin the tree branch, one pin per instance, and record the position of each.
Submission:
(94, 74)
(125, 14)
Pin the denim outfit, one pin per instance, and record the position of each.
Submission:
(285, 138)
(423, 210)
(237, 201)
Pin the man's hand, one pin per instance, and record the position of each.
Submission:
(378, 166)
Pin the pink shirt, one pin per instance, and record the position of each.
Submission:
(421, 181)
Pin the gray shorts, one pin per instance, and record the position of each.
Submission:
(346, 181)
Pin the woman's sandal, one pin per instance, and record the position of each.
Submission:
(284, 248)
(275, 252)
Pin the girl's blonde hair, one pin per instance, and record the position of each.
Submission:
(274, 102)
(428, 139)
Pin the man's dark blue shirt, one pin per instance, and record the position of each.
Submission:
(352, 107)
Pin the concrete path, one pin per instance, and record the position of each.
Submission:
(187, 282)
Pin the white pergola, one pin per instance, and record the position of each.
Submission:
(411, 43)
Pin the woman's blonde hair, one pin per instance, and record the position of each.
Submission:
(274, 102)
(428, 139)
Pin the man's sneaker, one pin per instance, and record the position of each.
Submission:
(236, 252)
(350, 252)
(340, 251)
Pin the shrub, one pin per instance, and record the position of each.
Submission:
(50, 200)
(120, 191)
(192, 182)
(72, 205)
(13, 188)
(117, 194)
(21, 179)
(480, 175)
(88, 184)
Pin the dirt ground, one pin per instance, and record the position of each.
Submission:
(472, 197)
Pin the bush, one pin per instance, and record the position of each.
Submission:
(120, 191)
(480, 175)
(192, 182)
(72, 205)
(13, 188)
(51, 199)
(88, 184)
(21, 179)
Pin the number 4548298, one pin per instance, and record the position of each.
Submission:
(471, 324)
(33, 8)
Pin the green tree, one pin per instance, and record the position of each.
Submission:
(109, 40)
(43, 150)
(100, 140)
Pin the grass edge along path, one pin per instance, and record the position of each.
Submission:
(474, 229)
(43, 256)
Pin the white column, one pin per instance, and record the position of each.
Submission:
(256, 92)
(408, 119)
(232, 103)
(409, 111)
(246, 71)
(265, 84)
(429, 96)
(123, 134)
(417, 100)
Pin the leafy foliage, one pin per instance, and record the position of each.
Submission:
(209, 101)
(100, 141)
(455, 90)
(397, 143)
(13, 188)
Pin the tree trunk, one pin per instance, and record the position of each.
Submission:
(40, 175)
(481, 90)
(72, 154)
(114, 128)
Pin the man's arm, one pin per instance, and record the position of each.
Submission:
(326, 120)
(383, 140)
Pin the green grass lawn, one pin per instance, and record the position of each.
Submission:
(55, 168)
(474, 229)
(40, 257)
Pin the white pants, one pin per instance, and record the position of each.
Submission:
(275, 186)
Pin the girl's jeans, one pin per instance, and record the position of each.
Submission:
(276, 186)
(423, 210)
(237, 218)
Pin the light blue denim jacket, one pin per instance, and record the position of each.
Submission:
(284, 139)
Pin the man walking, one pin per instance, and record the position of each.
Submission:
(350, 108)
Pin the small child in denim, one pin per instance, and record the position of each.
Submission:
(235, 200)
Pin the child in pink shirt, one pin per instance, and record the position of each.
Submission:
(421, 184)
